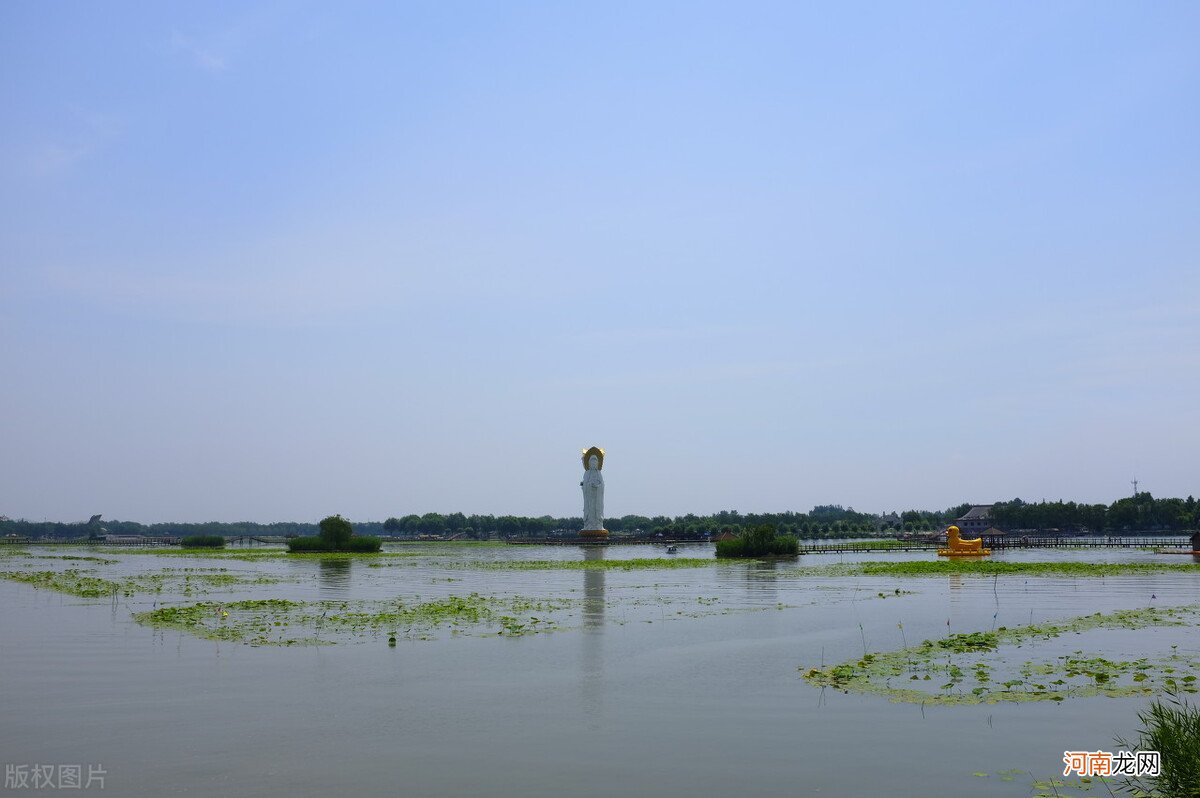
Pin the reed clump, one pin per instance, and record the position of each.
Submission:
(761, 541)
(1170, 726)
(203, 542)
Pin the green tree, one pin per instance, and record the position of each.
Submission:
(433, 523)
(336, 531)
(508, 525)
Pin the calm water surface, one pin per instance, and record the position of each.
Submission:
(671, 682)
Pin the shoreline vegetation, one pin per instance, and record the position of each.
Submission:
(453, 555)
(1004, 568)
(1139, 513)
(1171, 727)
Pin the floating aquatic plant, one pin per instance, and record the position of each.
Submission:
(1053, 679)
(186, 581)
(271, 621)
(70, 581)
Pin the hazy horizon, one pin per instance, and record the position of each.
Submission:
(277, 261)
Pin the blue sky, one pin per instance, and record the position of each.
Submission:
(275, 261)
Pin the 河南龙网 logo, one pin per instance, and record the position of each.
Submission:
(1106, 763)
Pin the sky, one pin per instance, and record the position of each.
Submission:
(275, 261)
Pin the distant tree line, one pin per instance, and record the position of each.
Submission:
(830, 520)
(37, 529)
(826, 520)
(1140, 512)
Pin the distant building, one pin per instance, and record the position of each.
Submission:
(993, 536)
(975, 521)
(890, 521)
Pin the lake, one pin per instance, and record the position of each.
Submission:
(457, 669)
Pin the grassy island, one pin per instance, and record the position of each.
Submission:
(203, 542)
(761, 541)
(336, 535)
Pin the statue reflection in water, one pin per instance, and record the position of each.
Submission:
(591, 649)
(593, 591)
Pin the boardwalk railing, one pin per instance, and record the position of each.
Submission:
(1130, 542)
(1006, 542)
(874, 546)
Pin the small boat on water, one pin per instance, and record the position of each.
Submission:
(672, 549)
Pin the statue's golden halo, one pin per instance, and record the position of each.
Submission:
(595, 450)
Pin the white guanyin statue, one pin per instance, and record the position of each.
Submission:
(593, 491)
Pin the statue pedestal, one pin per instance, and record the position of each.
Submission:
(594, 534)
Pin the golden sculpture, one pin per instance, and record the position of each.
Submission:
(595, 450)
(957, 547)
